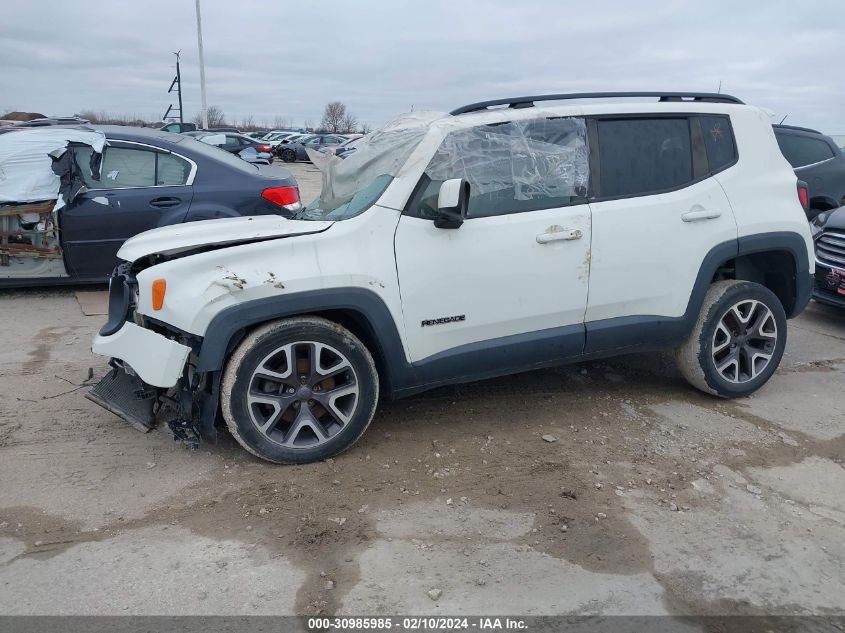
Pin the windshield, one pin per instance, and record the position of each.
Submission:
(360, 202)
(352, 185)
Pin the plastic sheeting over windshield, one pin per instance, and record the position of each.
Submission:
(380, 153)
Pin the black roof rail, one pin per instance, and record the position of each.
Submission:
(781, 126)
(528, 102)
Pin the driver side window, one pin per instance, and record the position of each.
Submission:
(511, 167)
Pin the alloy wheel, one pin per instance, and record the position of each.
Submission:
(303, 394)
(744, 341)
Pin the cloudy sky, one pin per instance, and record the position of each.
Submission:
(269, 58)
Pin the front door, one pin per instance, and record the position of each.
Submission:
(138, 189)
(508, 289)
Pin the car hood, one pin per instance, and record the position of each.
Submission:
(835, 219)
(170, 240)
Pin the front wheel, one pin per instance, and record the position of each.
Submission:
(288, 155)
(737, 342)
(299, 390)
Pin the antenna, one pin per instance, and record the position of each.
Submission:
(177, 82)
(719, 89)
(783, 119)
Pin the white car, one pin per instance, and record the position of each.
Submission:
(276, 137)
(508, 235)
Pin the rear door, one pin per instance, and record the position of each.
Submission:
(657, 212)
(140, 188)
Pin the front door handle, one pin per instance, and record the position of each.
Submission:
(556, 233)
(165, 202)
(700, 213)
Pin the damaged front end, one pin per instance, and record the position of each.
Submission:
(188, 409)
(38, 177)
(141, 395)
(29, 241)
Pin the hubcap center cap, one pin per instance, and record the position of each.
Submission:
(304, 392)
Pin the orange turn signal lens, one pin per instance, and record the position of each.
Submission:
(159, 289)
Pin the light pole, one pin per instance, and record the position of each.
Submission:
(204, 111)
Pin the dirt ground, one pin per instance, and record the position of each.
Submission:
(652, 498)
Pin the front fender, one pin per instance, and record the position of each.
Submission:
(227, 327)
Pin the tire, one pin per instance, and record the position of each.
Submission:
(306, 415)
(289, 156)
(737, 342)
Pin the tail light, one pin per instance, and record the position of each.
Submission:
(804, 195)
(285, 197)
(265, 148)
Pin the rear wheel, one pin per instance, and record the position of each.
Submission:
(299, 390)
(737, 342)
(288, 155)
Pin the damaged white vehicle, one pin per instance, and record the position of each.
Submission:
(499, 238)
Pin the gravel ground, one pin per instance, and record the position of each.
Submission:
(609, 488)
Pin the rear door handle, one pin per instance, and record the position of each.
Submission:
(165, 202)
(556, 233)
(698, 213)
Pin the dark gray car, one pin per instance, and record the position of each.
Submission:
(292, 152)
(150, 178)
(817, 161)
(829, 238)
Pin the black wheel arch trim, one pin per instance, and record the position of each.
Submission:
(509, 354)
(794, 244)
(227, 327)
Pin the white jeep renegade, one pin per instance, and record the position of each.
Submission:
(502, 237)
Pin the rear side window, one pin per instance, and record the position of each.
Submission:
(172, 170)
(126, 167)
(642, 156)
(232, 142)
(718, 142)
(803, 150)
(511, 167)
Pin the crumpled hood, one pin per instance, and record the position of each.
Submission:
(169, 240)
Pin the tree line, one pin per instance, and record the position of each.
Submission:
(337, 119)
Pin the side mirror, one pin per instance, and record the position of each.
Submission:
(452, 204)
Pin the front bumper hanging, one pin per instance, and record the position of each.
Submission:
(189, 408)
(127, 397)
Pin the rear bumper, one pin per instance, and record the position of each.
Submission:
(157, 360)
